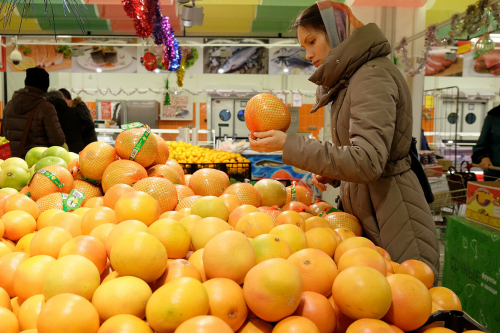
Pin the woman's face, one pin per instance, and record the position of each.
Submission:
(316, 44)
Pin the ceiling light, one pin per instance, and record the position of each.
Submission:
(286, 70)
(98, 70)
(157, 70)
(220, 70)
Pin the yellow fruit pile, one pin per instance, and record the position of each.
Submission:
(187, 153)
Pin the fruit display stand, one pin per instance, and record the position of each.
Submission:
(472, 269)
(237, 170)
(270, 165)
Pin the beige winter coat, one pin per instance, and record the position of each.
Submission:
(371, 126)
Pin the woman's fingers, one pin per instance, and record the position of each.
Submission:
(263, 134)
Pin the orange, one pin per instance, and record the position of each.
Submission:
(206, 229)
(8, 321)
(246, 193)
(239, 212)
(10, 244)
(81, 211)
(110, 276)
(127, 140)
(2, 228)
(88, 247)
(123, 295)
(173, 235)
(210, 206)
(95, 217)
(23, 245)
(183, 192)
(122, 229)
(68, 313)
(176, 302)
(42, 185)
(317, 269)
(209, 182)
(162, 153)
(295, 324)
(137, 206)
(74, 166)
(352, 243)
(186, 178)
(389, 268)
(322, 239)
(319, 206)
(255, 224)
(173, 215)
(411, 302)
(73, 274)
(384, 253)
(91, 191)
(189, 221)
(94, 202)
(369, 325)
(178, 268)
(124, 323)
(273, 211)
(291, 217)
(228, 255)
(227, 301)
(295, 206)
(15, 305)
(343, 322)
(394, 265)
(8, 266)
(21, 202)
(439, 330)
(318, 309)
(95, 158)
(168, 173)
(49, 241)
(436, 307)
(302, 195)
(45, 217)
(204, 324)
(114, 193)
(363, 256)
(362, 292)
(161, 189)
(4, 249)
(68, 221)
(122, 172)
(29, 311)
(344, 220)
(293, 235)
(417, 269)
(269, 246)
(316, 222)
(255, 325)
(102, 232)
(24, 190)
(266, 112)
(51, 201)
(139, 254)
(396, 329)
(29, 276)
(17, 224)
(344, 233)
(231, 201)
(176, 166)
(272, 289)
(305, 215)
(196, 259)
(445, 298)
(5, 300)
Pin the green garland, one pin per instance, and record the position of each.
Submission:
(167, 95)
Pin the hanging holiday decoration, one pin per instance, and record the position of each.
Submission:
(176, 61)
(167, 95)
(181, 71)
(149, 61)
(495, 11)
(432, 40)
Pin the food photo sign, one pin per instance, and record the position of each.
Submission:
(180, 108)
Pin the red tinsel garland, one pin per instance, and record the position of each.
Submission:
(143, 13)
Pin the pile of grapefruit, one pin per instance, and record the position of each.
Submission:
(149, 251)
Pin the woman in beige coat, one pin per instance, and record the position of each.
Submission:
(371, 126)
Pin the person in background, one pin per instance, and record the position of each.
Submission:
(69, 120)
(28, 111)
(86, 122)
(486, 152)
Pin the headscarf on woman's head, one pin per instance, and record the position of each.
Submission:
(335, 17)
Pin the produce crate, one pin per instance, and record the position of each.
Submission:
(456, 321)
(5, 151)
(236, 170)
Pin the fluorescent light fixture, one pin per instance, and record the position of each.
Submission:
(450, 141)
(98, 70)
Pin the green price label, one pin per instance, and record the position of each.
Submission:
(73, 200)
(293, 192)
(131, 125)
(142, 141)
(51, 177)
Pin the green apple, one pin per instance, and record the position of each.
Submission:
(57, 152)
(50, 160)
(15, 161)
(73, 155)
(34, 155)
(1, 162)
(272, 192)
(14, 176)
(9, 190)
(32, 172)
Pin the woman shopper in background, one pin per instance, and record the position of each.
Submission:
(371, 126)
(486, 153)
(86, 122)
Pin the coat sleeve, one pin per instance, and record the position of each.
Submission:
(52, 126)
(482, 148)
(371, 130)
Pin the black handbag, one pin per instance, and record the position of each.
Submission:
(419, 172)
(457, 181)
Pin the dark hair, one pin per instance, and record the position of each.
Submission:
(310, 17)
(52, 95)
(65, 93)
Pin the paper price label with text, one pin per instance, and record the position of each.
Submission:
(297, 100)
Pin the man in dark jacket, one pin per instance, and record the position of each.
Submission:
(45, 130)
(486, 153)
(69, 120)
(86, 122)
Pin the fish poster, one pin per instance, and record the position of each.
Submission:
(236, 59)
(482, 65)
(439, 63)
(272, 166)
(289, 60)
(181, 108)
(52, 58)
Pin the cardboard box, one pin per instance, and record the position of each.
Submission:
(472, 269)
(445, 164)
(433, 170)
(483, 202)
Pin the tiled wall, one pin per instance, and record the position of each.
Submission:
(308, 119)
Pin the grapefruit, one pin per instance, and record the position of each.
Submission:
(17, 224)
(318, 309)
(273, 211)
(126, 142)
(49, 241)
(96, 216)
(91, 191)
(352, 243)
(207, 182)
(302, 194)
(51, 201)
(417, 269)
(183, 192)
(265, 112)
(320, 206)
(322, 239)
(124, 323)
(291, 217)
(363, 256)
(293, 235)
(114, 193)
(29, 276)
(178, 268)
(344, 220)
(8, 266)
(232, 202)
(445, 298)
(204, 324)
(174, 236)
(367, 325)
(162, 190)
(138, 206)
(247, 194)
(95, 158)
(187, 202)
(255, 224)
(122, 229)
(21, 202)
(272, 192)
(206, 229)
(163, 152)
(41, 185)
(316, 222)
(177, 167)
(210, 206)
(88, 247)
(122, 172)
(296, 206)
(29, 311)
(239, 212)
(167, 172)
